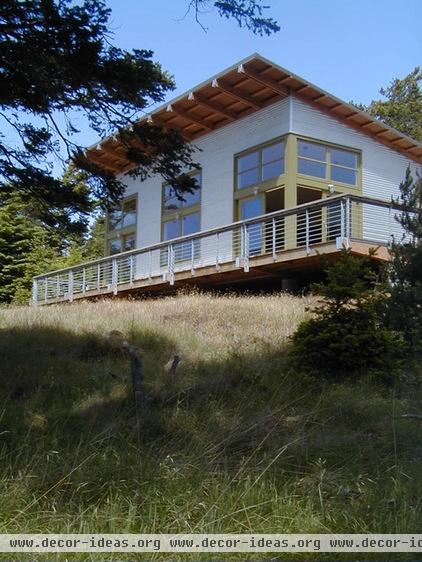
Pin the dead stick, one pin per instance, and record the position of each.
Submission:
(172, 370)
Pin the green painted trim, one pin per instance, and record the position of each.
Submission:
(120, 233)
(178, 214)
(321, 183)
(258, 148)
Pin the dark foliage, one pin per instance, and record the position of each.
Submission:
(405, 308)
(347, 337)
(56, 61)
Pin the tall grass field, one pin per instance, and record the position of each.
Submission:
(236, 440)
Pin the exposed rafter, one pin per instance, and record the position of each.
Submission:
(236, 93)
(264, 80)
(190, 117)
(214, 105)
(156, 118)
(255, 83)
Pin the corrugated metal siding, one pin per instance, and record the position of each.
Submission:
(216, 159)
(383, 169)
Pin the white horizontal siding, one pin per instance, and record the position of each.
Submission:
(383, 169)
(216, 158)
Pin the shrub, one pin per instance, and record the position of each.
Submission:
(347, 337)
(347, 344)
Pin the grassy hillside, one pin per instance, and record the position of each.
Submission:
(236, 441)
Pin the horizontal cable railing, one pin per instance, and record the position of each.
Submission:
(335, 219)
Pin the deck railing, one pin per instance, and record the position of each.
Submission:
(336, 219)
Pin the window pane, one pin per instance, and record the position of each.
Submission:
(194, 197)
(250, 208)
(272, 169)
(114, 219)
(190, 224)
(311, 150)
(311, 168)
(344, 158)
(114, 246)
(247, 178)
(344, 175)
(129, 243)
(171, 201)
(129, 213)
(273, 152)
(171, 230)
(247, 162)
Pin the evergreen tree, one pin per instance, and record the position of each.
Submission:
(347, 336)
(26, 249)
(56, 62)
(401, 107)
(406, 265)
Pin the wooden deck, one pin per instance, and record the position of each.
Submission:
(285, 265)
(275, 246)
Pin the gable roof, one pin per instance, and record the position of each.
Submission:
(242, 89)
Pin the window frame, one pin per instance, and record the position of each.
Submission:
(178, 214)
(328, 164)
(123, 231)
(260, 184)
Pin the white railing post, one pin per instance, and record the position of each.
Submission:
(274, 235)
(217, 252)
(57, 286)
(342, 221)
(171, 263)
(192, 262)
(83, 280)
(131, 270)
(114, 275)
(308, 246)
(150, 267)
(46, 290)
(348, 221)
(70, 285)
(34, 291)
(98, 277)
(245, 248)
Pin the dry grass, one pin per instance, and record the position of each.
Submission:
(209, 322)
(237, 441)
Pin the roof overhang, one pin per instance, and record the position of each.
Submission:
(241, 90)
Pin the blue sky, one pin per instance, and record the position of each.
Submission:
(349, 48)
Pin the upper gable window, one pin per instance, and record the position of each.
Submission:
(327, 162)
(171, 202)
(312, 159)
(260, 165)
(122, 215)
(344, 166)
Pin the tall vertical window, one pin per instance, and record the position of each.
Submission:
(181, 217)
(327, 162)
(121, 227)
(260, 165)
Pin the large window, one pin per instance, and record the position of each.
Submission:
(121, 227)
(181, 217)
(327, 162)
(260, 165)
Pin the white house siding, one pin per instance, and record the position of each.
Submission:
(383, 169)
(216, 159)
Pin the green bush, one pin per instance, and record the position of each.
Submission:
(347, 337)
(348, 344)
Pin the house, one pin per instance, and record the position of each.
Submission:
(287, 172)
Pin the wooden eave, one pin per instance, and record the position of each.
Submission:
(243, 89)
